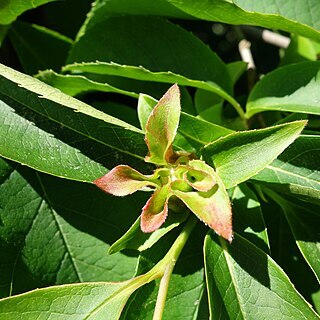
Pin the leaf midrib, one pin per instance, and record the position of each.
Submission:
(82, 133)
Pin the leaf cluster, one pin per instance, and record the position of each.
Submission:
(83, 101)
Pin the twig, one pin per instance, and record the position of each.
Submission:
(267, 36)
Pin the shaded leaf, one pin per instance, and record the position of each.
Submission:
(39, 48)
(11, 9)
(303, 221)
(134, 238)
(56, 231)
(247, 217)
(239, 156)
(168, 44)
(243, 282)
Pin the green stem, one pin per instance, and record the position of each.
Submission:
(163, 291)
(165, 267)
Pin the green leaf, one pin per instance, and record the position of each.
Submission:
(236, 70)
(197, 131)
(240, 155)
(29, 145)
(247, 217)
(296, 171)
(161, 127)
(105, 8)
(269, 13)
(303, 220)
(74, 85)
(134, 238)
(23, 92)
(56, 231)
(79, 301)
(39, 48)
(300, 49)
(142, 73)
(168, 44)
(11, 9)
(245, 283)
(300, 94)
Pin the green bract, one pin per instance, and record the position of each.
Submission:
(179, 177)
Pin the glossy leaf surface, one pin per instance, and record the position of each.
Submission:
(67, 113)
(79, 301)
(241, 155)
(245, 283)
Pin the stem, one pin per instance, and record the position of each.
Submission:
(162, 294)
(166, 265)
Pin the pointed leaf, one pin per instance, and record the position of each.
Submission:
(303, 220)
(161, 127)
(239, 156)
(245, 283)
(197, 131)
(212, 207)
(123, 180)
(155, 212)
(275, 92)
